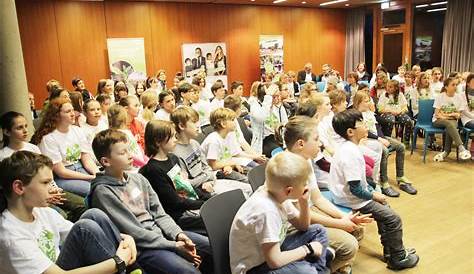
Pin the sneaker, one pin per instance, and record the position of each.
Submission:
(408, 188)
(464, 155)
(440, 157)
(390, 192)
(330, 255)
(410, 260)
(408, 250)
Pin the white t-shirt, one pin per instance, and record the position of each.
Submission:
(134, 149)
(387, 103)
(91, 131)
(65, 147)
(217, 148)
(161, 114)
(203, 108)
(348, 165)
(215, 104)
(447, 104)
(328, 137)
(468, 114)
(238, 133)
(31, 247)
(370, 121)
(277, 116)
(399, 79)
(436, 87)
(6, 152)
(259, 220)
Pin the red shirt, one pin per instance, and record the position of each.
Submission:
(137, 129)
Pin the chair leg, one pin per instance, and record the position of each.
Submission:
(425, 144)
(413, 143)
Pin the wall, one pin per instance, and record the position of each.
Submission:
(62, 39)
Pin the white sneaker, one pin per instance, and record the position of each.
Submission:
(440, 157)
(464, 155)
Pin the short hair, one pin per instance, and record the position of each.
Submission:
(220, 115)
(185, 87)
(286, 169)
(336, 97)
(101, 98)
(117, 116)
(163, 94)
(182, 115)
(156, 133)
(236, 84)
(103, 141)
(345, 120)
(216, 86)
(75, 81)
(233, 102)
(23, 166)
(52, 84)
(310, 107)
(353, 75)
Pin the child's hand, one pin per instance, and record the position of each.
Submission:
(318, 248)
(347, 224)
(239, 169)
(208, 187)
(303, 200)
(379, 197)
(360, 219)
(227, 170)
(124, 252)
(260, 159)
(57, 196)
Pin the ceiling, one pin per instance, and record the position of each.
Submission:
(297, 3)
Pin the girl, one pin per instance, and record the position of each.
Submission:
(448, 108)
(301, 137)
(118, 120)
(253, 93)
(265, 116)
(379, 87)
(15, 134)
(167, 104)
(77, 104)
(93, 123)
(161, 76)
(152, 83)
(437, 82)
(351, 87)
(206, 93)
(362, 74)
(164, 173)
(132, 106)
(378, 139)
(120, 91)
(380, 69)
(104, 101)
(308, 89)
(201, 106)
(139, 88)
(149, 102)
(106, 87)
(67, 146)
(410, 89)
(393, 108)
(467, 116)
(219, 61)
(423, 92)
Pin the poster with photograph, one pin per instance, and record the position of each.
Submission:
(205, 59)
(127, 58)
(423, 49)
(271, 54)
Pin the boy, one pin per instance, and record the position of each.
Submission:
(222, 150)
(186, 91)
(237, 88)
(219, 93)
(30, 232)
(350, 188)
(130, 201)
(400, 77)
(258, 242)
(193, 160)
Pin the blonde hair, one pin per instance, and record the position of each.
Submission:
(306, 92)
(221, 115)
(182, 115)
(359, 97)
(117, 116)
(254, 88)
(149, 99)
(286, 169)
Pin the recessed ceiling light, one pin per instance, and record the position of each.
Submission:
(304, 2)
(385, 5)
(438, 3)
(252, 0)
(278, 1)
(347, 5)
(433, 10)
(421, 6)
(332, 2)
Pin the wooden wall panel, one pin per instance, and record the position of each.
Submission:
(40, 45)
(310, 35)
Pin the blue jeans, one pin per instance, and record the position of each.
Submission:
(161, 261)
(295, 240)
(92, 239)
(79, 187)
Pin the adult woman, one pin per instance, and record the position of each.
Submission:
(220, 61)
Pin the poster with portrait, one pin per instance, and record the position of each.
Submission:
(205, 59)
(271, 54)
(127, 58)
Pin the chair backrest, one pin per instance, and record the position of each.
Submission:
(425, 112)
(257, 176)
(218, 214)
(276, 151)
(321, 86)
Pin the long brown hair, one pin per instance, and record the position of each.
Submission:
(50, 119)
(297, 127)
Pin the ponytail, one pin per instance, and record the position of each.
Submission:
(280, 135)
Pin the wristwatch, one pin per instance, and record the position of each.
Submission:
(120, 264)
(311, 250)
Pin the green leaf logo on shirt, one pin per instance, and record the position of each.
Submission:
(73, 154)
(46, 244)
(271, 121)
(225, 155)
(449, 108)
(283, 230)
(201, 112)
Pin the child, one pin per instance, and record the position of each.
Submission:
(423, 92)
(130, 202)
(467, 116)
(132, 106)
(237, 88)
(193, 160)
(93, 123)
(258, 242)
(66, 145)
(410, 89)
(380, 86)
(186, 91)
(149, 102)
(105, 102)
(222, 150)
(350, 188)
(31, 233)
(105, 87)
(351, 87)
(376, 138)
(78, 105)
(234, 103)
(167, 105)
(163, 171)
(219, 94)
(393, 108)
(365, 88)
(437, 83)
(139, 88)
(201, 106)
(118, 120)
(448, 108)
(15, 134)
(301, 137)
(400, 77)
(120, 91)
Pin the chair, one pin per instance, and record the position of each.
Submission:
(328, 195)
(321, 86)
(465, 132)
(276, 151)
(218, 214)
(257, 176)
(424, 122)
(364, 82)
